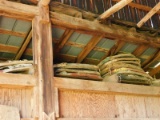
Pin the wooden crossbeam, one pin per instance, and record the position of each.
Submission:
(154, 71)
(8, 48)
(97, 28)
(114, 9)
(149, 15)
(18, 10)
(139, 6)
(14, 33)
(24, 46)
(92, 43)
(139, 50)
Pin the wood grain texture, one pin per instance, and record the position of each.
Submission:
(107, 119)
(20, 98)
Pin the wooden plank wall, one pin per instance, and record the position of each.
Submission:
(20, 98)
(81, 104)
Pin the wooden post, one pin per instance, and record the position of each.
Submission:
(43, 59)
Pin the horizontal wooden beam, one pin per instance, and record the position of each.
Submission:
(18, 34)
(86, 85)
(107, 119)
(29, 118)
(18, 10)
(149, 15)
(114, 9)
(8, 48)
(139, 6)
(16, 80)
(114, 31)
(154, 71)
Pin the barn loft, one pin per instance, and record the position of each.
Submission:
(79, 31)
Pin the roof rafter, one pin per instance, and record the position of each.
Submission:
(114, 9)
(149, 15)
(154, 71)
(139, 50)
(8, 48)
(14, 33)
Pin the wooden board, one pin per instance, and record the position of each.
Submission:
(9, 113)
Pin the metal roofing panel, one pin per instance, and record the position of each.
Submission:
(106, 43)
(128, 48)
(8, 55)
(22, 26)
(7, 23)
(4, 38)
(149, 51)
(65, 49)
(96, 54)
(15, 41)
(57, 32)
(74, 37)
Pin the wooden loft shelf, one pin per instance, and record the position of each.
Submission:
(16, 80)
(86, 85)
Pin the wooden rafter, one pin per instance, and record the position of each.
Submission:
(113, 32)
(28, 51)
(154, 71)
(151, 60)
(139, 6)
(24, 46)
(149, 15)
(17, 10)
(66, 35)
(8, 48)
(139, 50)
(91, 44)
(114, 9)
(18, 34)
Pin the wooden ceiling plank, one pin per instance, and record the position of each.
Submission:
(152, 59)
(24, 46)
(154, 71)
(113, 32)
(139, 50)
(139, 6)
(114, 9)
(8, 48)
(66, 35)
(18, 10)
(91, 44)
(149, 15)
(14, 33)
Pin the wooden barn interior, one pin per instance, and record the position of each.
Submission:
(46, 33)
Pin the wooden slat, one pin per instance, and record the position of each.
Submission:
(17, 10)
(16, 80)
(139, 6)
(139, 50)
(149, 15)
(86, 85)
(114, 8)
(18, 34)
(154, 71)
(114, 32)
(92, 43)
(8, 48)
(107, 119)
(24, 46)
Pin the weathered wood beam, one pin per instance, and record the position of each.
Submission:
(88, 48)
(107, 118)
(28, 51)
(18, 10)
(87, 85)
(139, 50)
(114, 9)
(44, 2)
(139, 6)
(149, 15)
(66, 35)
(154, 71)
(16, 80)
(8, 48)
(112, 32)
(18, 34)
(24, 46)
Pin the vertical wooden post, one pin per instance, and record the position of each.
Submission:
(43, 59)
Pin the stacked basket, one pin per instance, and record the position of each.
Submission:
(127, 67)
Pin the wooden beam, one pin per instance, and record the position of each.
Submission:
(87, 85)
(149, 15)
(113, 32)
(29, 118)
(28, 51)
(24, 46)
(8, 48)
(44, 2)
(107, 118)
(114, 9)
(154, 71)
(66, 35)
(18, 10)
(139, 50)
(88, 48)
(139, 6)
(18, 34)
(16, 80)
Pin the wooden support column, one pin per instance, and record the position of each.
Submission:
(43, 58)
